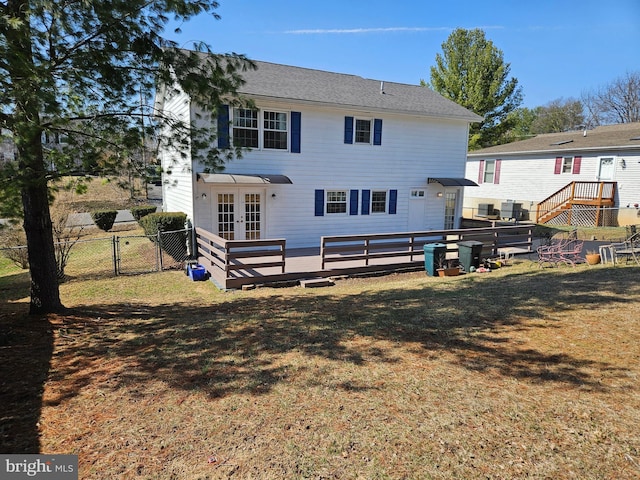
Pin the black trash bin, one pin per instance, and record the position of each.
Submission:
(434, 254)
(469, 253)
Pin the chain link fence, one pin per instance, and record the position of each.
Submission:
(119, 254)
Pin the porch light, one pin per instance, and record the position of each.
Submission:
(439, 194)
(204, 196)
(623, 164)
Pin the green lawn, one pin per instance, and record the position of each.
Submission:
(521, 372)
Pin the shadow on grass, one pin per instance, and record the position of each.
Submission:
(26, 346)
(238, 345)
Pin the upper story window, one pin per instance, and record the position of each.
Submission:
(363, 131)
(275, 130)
(271, 133)
(567, 164)
(245, 127)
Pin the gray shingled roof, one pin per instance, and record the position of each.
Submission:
(284, 82)
(608, 137)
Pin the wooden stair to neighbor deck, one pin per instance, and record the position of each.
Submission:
(582, 194)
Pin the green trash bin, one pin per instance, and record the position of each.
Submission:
(469, 253)
(434, 254)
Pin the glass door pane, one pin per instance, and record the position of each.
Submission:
(252, 216)
(226, 216)
(450, 210)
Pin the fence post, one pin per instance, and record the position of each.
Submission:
(116, 260)
(159, 252)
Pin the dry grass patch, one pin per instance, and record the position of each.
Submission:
(519, 373)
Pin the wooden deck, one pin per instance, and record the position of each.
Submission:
(233, 264)
(599, 195)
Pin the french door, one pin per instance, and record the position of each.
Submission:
(450, 207)
(239, 214)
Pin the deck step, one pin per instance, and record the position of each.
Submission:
(316, 282)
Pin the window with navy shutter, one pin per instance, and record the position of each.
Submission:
(223, 126)
(393, 201)
(377, 131)
(295, 131)
(353, 202)
(348, 129)
(366, 198)
(319, 203)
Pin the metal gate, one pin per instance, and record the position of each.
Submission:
(137, 254)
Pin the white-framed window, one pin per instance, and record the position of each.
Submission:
(245, 128)
(489, 171)
(270, 133)
(379, 201)
(336, 201)
(567, 165)
(275, 130)
(362, 131)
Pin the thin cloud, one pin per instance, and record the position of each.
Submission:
(342, 31)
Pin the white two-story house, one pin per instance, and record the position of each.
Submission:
(328, 154)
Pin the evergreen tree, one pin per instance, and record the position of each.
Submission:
(471, 71)
(78, 70)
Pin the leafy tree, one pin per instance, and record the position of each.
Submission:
(521, 120)
(77, 70)
(472, 72)
(616, 102)
(558, 116)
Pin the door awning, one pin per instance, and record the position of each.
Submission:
(243, 178)
(453, 182)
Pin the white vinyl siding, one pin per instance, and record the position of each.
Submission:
(529, 179)
(413, 150)
(177, 185)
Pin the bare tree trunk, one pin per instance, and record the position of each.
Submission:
(45, 293)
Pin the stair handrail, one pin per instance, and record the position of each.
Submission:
(571, 192)
(555, 200)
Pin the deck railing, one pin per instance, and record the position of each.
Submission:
(234, 263)
(221, 257)
(375, 248)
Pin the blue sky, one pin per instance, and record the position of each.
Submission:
(557, 49)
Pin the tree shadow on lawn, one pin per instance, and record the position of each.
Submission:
(238, 345)
(26, 346)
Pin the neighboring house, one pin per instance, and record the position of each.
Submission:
(586, 168)
(330, 154)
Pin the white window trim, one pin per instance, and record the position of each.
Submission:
(346, 202)
(371, 127)
(386, 202)
(493, 173)
(262, 130)
(570, 171)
